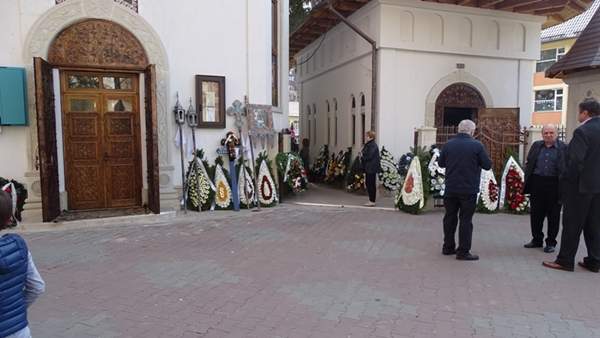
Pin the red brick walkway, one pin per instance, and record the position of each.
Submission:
(297, 271)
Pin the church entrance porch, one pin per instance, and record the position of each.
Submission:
(100, 66)
(497, 128)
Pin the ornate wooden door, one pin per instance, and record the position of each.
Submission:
(84, 150)
(499, 130)
(152, 139)
(102, 140)
(121, 151)
(46, 125)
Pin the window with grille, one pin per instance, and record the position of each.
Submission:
(548, 57)
(548, 100)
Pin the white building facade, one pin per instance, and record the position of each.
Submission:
(424, 48)
(244, 41)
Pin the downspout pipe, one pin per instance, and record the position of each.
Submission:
(374, 63)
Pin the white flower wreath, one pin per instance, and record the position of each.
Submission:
(412, 193)
(266, 192)
(223, 193)
(245, 179)
(487, 176)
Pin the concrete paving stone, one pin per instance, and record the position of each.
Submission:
(296, 270)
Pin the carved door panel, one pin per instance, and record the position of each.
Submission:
(84, 151)
(102, 140)
(46, 125)
(499, 131)
(122, 149)
(152, 139)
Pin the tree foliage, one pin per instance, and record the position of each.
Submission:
(299, 9)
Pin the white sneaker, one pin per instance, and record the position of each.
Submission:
(370, 204)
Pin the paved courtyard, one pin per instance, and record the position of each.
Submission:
(304, 271)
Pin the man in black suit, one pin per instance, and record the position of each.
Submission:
(463, 157)
(582, 188)
(545, 164)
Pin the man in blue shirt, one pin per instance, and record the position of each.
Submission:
(463, 157)
(545, 164)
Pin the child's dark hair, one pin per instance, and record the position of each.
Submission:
(305, 142)
(6, 211)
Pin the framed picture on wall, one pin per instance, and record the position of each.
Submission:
(210, 101)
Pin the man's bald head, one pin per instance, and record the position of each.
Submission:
(550, 134)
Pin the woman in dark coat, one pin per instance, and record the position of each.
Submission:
(305, 154)
(371, 163)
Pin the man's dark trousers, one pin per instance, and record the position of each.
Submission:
(545, 204)
(370, 182)
(582, 213)
(459, 207)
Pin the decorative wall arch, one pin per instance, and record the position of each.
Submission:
(107, 45)
(457, 95)
(59, 17)
(458, 76)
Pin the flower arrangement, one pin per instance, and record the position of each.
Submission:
(247, 197)
(331, 169)
(223, 192)
(403, 165)
(487, 200)
(319, 167)
(414, 193)
(19, 194)
(200, 189)
(355, 179)
(512, 198)
(343, 163)
(389, 175)
(437, 175)
(290, 167)
(267, 190)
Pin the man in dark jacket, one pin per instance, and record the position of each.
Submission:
(371, 162)
(463, 157)
(582, 193)
(546, 162)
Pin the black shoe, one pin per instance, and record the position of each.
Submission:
(588, 267)
(467, 257)
(533, 244)
(448, 252)
(549, 249)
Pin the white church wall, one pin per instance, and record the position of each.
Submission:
(581, 86)
(405, 87)
(435, 27)
(16, 17)
(419, 45)
(226, 39)
(339, 68)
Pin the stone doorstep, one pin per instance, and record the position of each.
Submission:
(95, 222)
(139, 220)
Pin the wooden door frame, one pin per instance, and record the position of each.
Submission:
(46, 137)
(103, 94)
(49, 180)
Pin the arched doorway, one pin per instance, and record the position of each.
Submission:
(457, 102)
(100, 63)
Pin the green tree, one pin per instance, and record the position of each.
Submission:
(299, 9)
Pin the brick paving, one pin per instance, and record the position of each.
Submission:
(299, 271)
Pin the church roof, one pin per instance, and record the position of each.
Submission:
(585, 53)
(571, 28)
(321, 20)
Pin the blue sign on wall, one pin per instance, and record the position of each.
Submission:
(13, 97)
